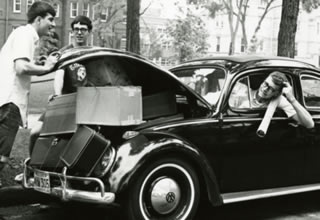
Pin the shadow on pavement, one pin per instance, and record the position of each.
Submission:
(17, 195)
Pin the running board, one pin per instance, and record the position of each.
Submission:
(266, 193)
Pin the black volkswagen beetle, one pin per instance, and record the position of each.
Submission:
(193, 143)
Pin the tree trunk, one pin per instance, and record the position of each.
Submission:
(266, 10)
(288, 28)
(133, 26)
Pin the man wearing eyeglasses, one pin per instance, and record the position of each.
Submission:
(274, 86)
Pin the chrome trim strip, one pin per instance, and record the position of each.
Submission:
(194, 122)
(266, 193)
(213, 120)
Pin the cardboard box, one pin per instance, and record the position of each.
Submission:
(60, 116)
(159, 105)
(110, 105)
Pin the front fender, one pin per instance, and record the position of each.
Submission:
(143, 149)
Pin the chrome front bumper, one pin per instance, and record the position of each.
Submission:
(66, 193)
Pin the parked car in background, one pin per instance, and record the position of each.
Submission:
(193, 143)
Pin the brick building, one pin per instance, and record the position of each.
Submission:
(13, 13)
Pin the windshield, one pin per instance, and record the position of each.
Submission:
(207, 82)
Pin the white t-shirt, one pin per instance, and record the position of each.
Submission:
(21, 43)
(283, 104)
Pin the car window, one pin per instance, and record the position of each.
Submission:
(244, 91)
(239, 97)
(207, 82)
(311, 91)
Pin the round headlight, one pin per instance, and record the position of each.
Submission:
(105, 162)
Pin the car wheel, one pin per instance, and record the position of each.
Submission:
(167, 189)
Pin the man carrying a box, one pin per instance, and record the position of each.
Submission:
(17, 67)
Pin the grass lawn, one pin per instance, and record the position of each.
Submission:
(18, 154)
(37, 103)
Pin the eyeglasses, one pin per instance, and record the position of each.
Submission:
(270, 88)
(82, 30)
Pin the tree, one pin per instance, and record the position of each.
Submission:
(238, 10)
(228, 6)
(309, 5)
(108, 14)
(133, 26)
(189, 35)
(254, 40)
(154, 40)
(288, 28)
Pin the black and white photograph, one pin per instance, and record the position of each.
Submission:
(160, 110)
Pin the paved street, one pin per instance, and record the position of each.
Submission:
(295, 207)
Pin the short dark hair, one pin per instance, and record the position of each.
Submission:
(278, 78)
(84, 20)
(40, 9)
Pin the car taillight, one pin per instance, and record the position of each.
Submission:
(105, 162)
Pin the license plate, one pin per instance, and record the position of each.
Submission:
(42, 181)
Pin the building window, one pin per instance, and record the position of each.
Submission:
(261, 46)
(56, 7)
(218, 44)
(85, 9)
(104, 14)
(242, 45)
(73, 9)
(17, 6)
(123, 43)
(29, 3)
(263, 3)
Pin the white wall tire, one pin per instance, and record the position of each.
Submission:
(166, 189)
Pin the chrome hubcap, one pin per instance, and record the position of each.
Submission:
(165, 195)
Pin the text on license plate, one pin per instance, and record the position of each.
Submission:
(42, 181)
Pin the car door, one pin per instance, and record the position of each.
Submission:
(310, 87)
(250, 162)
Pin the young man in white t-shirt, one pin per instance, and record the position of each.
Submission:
(17, 66)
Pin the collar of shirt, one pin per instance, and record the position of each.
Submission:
(255, 101)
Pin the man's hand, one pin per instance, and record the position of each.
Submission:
(52, 59)
(287, 92)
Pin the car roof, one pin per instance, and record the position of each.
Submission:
(242, 62)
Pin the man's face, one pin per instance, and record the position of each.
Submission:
(268, 89)
(46, 24)
(80, 34)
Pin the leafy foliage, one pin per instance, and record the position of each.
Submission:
(309, 5)
(189, 36)
(108, 14)
(155, 41)
(47, 45)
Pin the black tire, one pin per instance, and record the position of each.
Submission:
(155, 194)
